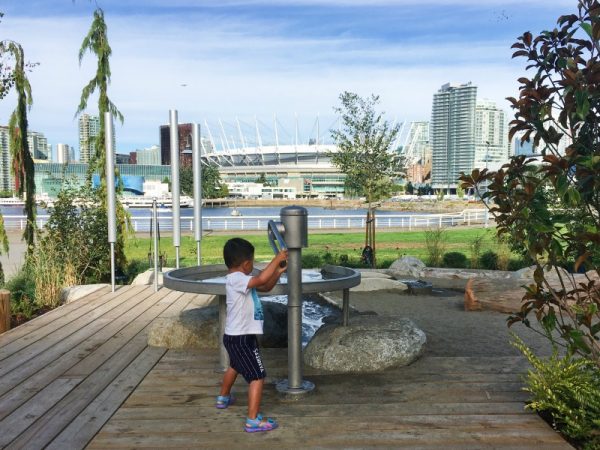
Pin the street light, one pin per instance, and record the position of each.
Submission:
(487, 157)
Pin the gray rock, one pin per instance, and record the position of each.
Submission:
(367, 344)
(379, 284)
(147, 277)
(374, 274)
(199, 328)
(407, 265)
(72, 293)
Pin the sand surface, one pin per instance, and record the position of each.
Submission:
(450, 330)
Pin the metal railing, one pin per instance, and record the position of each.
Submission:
(259, 223)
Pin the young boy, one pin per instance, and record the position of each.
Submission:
(244, 321)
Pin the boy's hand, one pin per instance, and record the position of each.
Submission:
(281, 259)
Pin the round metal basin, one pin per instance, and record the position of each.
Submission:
(210, 280)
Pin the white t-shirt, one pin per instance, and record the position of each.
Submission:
(244, 311)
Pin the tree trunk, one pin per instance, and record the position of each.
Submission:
(4, 310)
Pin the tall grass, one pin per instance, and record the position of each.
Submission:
(50, 272)
(436, 240)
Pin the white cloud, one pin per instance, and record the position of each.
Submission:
(230, 70)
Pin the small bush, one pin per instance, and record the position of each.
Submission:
(475, 246)
(22, 293)
(489, 260)
(311, 261)
(517, 264)
(567, 389)
(435, 243)
(504, 254)
(455, 260)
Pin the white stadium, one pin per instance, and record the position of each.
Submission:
(301, 166)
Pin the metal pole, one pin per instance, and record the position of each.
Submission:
(223, 356)
(197, 169)
(294, 276)
(110, 193)
(295, 225)
(155, 241)
(175, 183)
(345, 307)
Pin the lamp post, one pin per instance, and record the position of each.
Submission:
(487, 157)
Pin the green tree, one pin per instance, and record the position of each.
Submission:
(96, 42)
(22, 162)
(553, 209)
(365, 154)
(186, 180)
(410, 188)
(212, 186)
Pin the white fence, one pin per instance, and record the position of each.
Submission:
(330, 222)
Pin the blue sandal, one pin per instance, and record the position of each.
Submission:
(224, 401)
(260, 424)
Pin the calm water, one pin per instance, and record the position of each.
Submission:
(226, 212)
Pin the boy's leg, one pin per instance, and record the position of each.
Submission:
(228, 380)
(254, 397)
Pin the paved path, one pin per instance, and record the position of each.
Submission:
(13, 261)
(83, 375)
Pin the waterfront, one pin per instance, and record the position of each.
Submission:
(256, 218)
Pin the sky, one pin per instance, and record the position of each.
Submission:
(254, 60)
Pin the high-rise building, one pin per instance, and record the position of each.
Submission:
(38, 148)
(89, 127)
(6, 181)
(63, 153)
(415, 149)
(185, 144)
(452, 134)
(491, 136)
(149, 156)
(38, 145)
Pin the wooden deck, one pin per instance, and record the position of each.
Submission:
(83, 375)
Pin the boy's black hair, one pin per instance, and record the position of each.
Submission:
(236, 251)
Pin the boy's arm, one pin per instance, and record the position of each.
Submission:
(270, 274)
(273, 280)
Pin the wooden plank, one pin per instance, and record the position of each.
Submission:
(219, 422)
(64, 312)
(285, 437)
(45, 429)
(59, 334)
(22, 387)
(85, 426)
(283, 409)
(62, 341)
(173, 301)
(24, 416)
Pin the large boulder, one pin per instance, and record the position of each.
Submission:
(72, 293)
(368, 344)
(407, 265)
(379, 284)
(199, 328)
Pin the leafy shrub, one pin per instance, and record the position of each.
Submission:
(22, 292)
(311, 261)
(504, 254)
(455, 259)
(475, 247)
(435, 243)
(566, 388)
(517, 264)
(489, 260)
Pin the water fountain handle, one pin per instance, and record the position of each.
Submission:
(274, 230)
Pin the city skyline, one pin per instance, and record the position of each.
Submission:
(247, 58)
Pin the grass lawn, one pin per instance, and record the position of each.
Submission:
(328, 247)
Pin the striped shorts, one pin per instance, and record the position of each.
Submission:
(244, 356)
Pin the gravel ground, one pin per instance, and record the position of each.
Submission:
(450, 330)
